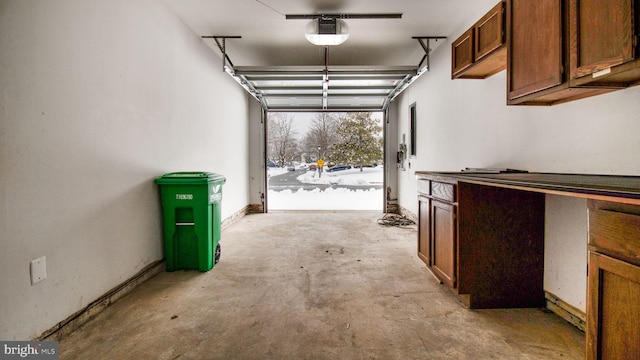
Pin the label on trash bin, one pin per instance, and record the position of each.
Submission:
(184, 196)
(186, 174)
(214, 197)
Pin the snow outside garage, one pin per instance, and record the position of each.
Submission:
(349, 144)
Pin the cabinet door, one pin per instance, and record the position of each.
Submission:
(462, 52)
(443, 241)
(489, 34)
(535, 56)
(613, 309)
(424, 230)
(602, 35)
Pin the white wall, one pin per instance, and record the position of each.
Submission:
(97, 98)
(565, 251)
(390, 156)
(466, 123)
(257, 155)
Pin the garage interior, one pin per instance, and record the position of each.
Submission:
(98, 99)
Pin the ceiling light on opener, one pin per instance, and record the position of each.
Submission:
(326, 31)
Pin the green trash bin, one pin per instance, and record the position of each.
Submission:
(191, 219)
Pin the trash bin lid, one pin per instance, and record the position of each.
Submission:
(190, 177)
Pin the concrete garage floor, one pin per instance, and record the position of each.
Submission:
(314, 285)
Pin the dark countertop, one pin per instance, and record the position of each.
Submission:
(591, 186)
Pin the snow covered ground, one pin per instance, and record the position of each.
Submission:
(337, 198)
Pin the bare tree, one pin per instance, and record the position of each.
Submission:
(322, 133)
(282, 143)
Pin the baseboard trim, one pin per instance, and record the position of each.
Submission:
(573, 315)
(256, 208)
(408, 214)
(233, 218)
(391, 207)
(73, 322)
(82, 316)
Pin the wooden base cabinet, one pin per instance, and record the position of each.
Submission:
(485, 244)
(424, 229)
(613, 299)
(613, 324)
(437, 230)
(443, 241)
(500, 247)
(497, 229)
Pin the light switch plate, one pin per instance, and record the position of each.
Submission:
(38, 270)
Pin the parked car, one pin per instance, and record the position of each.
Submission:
(271, 164)
(366, 165)
(291, 168)
(339, 168)
(313, 167)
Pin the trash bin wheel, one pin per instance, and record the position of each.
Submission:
(217, 254)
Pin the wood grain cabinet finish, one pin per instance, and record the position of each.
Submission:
(604, 43)
(538, 61)
(613, 309)
(489, 34)
(443, 241)
(437, 229)
(462, 54)
(442, 220)
(424, 229)
(424, 214)
(613, 299)
(480, 51)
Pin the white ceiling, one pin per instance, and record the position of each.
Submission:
(270, 41)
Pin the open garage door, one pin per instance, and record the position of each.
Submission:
(316, 88)
(325, 161)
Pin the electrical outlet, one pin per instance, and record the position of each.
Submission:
(38, 270)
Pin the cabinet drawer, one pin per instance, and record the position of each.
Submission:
(443, 191)
(424, 187)
(616, 234)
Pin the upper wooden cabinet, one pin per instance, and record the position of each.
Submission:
(563, 50)
(489, 33)
(537, 58)
(462, 54)
(604, 42)
(480, 51)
